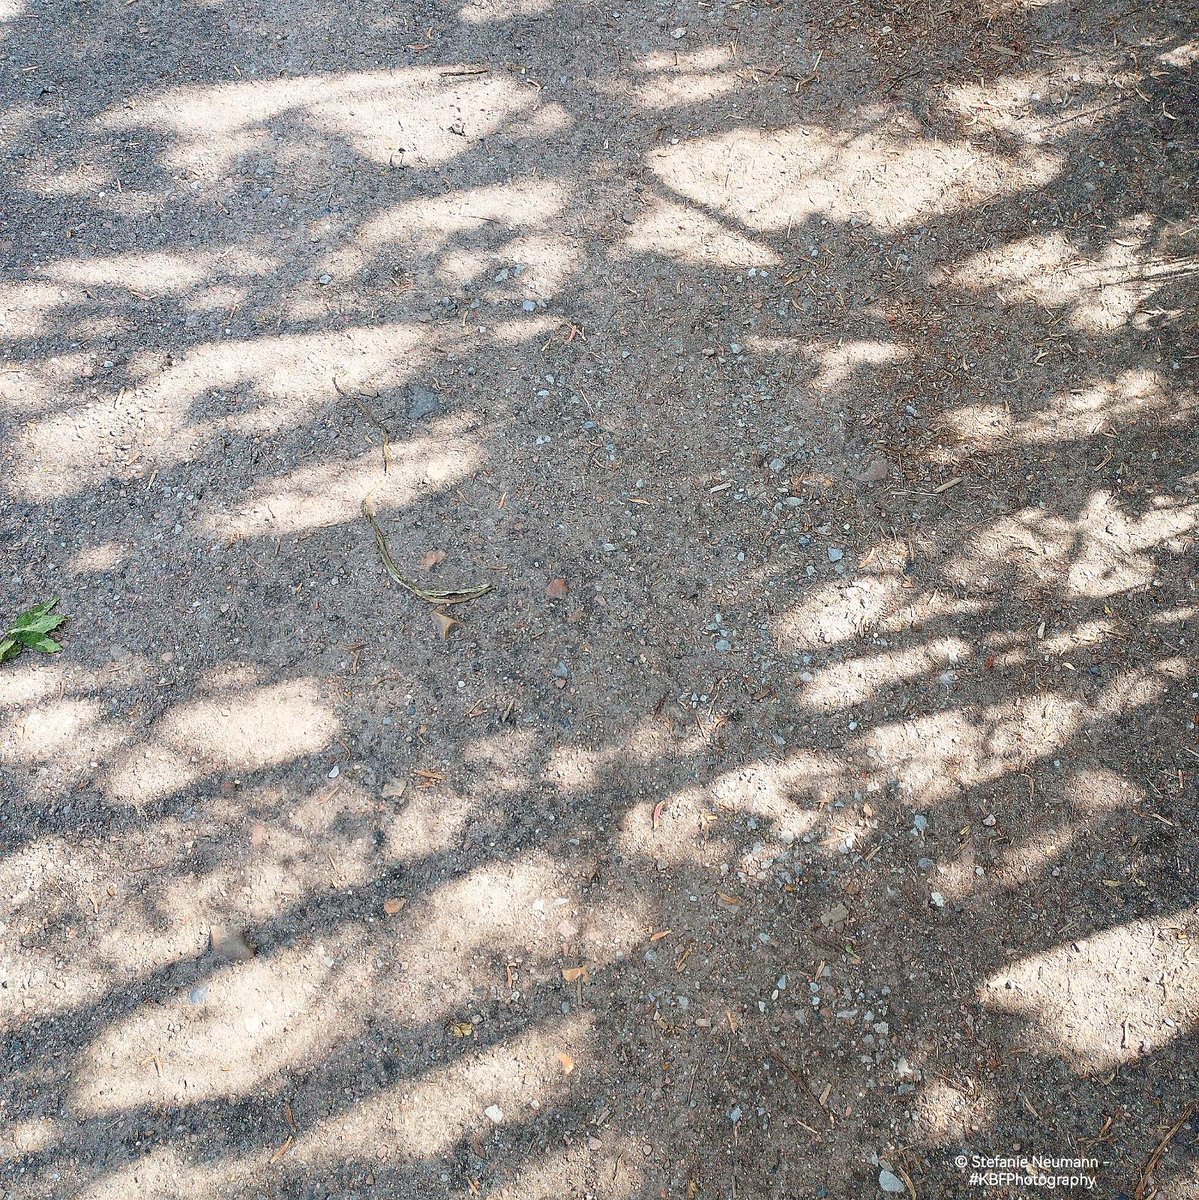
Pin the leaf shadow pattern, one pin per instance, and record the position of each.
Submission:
(900, 772)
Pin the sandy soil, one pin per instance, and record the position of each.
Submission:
(808, 806)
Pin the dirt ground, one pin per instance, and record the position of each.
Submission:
(807, 810)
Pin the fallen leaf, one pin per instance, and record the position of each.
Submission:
(571, 974)
(394, 905)
(568, 1063)
(557, 589)
(461, 1029)
(657, 937)
(733, 900)
(444, 622)
(658, 812)
(430, 560)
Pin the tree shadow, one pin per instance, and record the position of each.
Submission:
(842, 811)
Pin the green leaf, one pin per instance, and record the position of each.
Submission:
(39, 619)
(40, 624)
(31, 629)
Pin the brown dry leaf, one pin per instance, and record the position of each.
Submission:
(462, 1029)
(571, 974)
(430, 560)
(657, 937)
(557, 589)
(395, 905)
(444, 622)
(735, 901)
(568, 1063)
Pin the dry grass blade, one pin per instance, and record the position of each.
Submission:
(437, 598)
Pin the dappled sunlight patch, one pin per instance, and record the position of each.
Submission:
(248, 728)
(332, 493)
(27, 310)
(480, 12)
(1027, 729)
(841, 363)
(35, 1134)
(838, 611)
(1011, 102)
(164, 1173)
(687, 234)
(618, 1157)
(576, 770)
(98, 559)
(246, 1022)
(50, 730)
(458, 938)
(1101, 292)
(1101, 552)
(513, 333)
(544, 121)
(935, 755)
(1034, 855)
(302, 364)
(155, 273)
(983, 426)
(1098, 790)
(57, 455)
(148, 773)
(72, 736)
(549, 262)
(858, 679)
(431, 823)
(1105, 1000)
(767, 181)
(426, 1117)
(1140, 687)
(440, 220)
(1181, 56)
(948, 1113)
(214, 124)
(788, 799)
(674, 79)
(501, 764)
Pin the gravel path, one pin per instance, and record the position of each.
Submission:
(808, 807)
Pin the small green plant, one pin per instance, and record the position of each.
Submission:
(32, 629)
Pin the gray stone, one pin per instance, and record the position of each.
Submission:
(423, 402)
(890, 1182)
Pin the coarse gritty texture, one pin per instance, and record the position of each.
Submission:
(809, 802)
